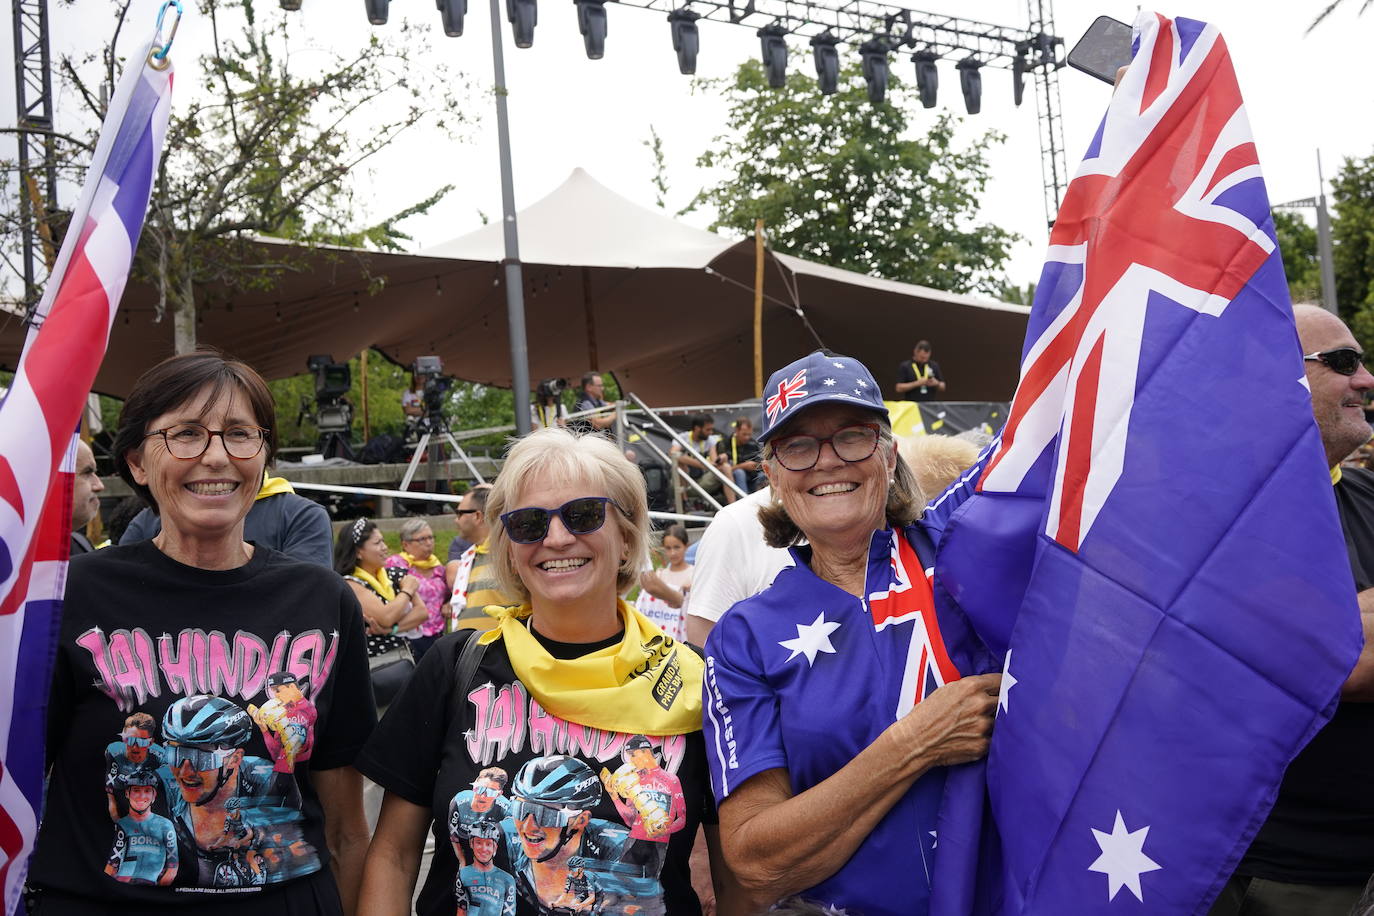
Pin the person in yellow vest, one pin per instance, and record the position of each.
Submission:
(474, 581)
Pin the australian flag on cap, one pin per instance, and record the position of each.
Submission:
(819, 376)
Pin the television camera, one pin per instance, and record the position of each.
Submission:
(429, 370)
(331, 412)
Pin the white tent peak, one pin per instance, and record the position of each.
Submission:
(584, 223)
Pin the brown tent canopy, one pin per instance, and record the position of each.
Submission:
(609, 285)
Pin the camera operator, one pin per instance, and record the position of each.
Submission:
(592, 389)
(547, 409)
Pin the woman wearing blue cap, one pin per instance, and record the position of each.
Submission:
(836, 698)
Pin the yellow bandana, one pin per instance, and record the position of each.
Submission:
(1335, 475)
(647, 685)
(428, 562)
(271, 486)
(381, 585)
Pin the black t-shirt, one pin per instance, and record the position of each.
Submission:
(1321, 830)
(608, 857)
(738, 451)
(173, 761)
(906, 372)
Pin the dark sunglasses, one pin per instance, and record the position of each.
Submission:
(466, 511)
(1342, 360)
(580, 516)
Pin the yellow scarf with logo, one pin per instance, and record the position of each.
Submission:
(649, 684)
(428, 562)
(380, 584)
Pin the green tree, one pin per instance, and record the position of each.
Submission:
(256, 147)
(1298, 245)
(838, 180)
(1352, 232)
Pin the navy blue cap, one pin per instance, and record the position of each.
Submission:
(818, 377)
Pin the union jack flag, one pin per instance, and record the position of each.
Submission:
(788, 391)
(37, 418)
(1137, 581)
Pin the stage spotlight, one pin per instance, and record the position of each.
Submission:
(773, 42)
(377, 11)
(927, 76)
(290, 5)
(452, 12)
(874, 54)
(827, 61)
(686, 39)
(523, 16)
(591, 21)
(971, 81)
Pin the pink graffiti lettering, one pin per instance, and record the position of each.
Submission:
(250, 659)
(501, 721)
(128, 662)
(176, 662)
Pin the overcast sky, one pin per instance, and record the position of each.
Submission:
(1303, 93)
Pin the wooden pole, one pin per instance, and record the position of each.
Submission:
(758, 308)
(367, 418)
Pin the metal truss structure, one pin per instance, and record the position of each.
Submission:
(1034, 50)
(37, 156)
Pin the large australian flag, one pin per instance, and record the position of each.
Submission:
(1152, 544)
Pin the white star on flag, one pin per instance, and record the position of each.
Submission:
(812, 639)
(1123, 859)
(829, 381)
(1008, 682)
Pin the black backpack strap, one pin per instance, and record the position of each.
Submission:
(469, 660)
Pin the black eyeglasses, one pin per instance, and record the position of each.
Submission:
(466, 511)
(580, 516)
(190, 440)
(1342, 360)
(851, 444)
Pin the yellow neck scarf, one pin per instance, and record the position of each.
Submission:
(380, 584)
(1335, 475)
(428, 562)
(648, 684)
(271, 486)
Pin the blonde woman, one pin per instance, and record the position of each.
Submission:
(588, 708)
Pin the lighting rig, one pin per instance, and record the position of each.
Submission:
(876, 30)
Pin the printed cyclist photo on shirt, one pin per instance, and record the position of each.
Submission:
(565, 860)
(484, 889)
(145, 844)
(649, 800)
(133, 752)
(237, 817)
(483, 803)
(287, 721)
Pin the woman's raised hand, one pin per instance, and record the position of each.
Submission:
(954, 724)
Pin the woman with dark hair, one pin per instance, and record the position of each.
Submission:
(389, 601)
(209, 694)
(842, 695)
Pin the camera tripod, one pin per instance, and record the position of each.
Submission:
(430, 426)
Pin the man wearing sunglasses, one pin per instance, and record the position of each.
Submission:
(484, 803)
(132, 752)
(1314, 854)
(474, 579)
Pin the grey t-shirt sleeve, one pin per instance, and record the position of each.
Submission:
(144, 526)
(306, 533)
